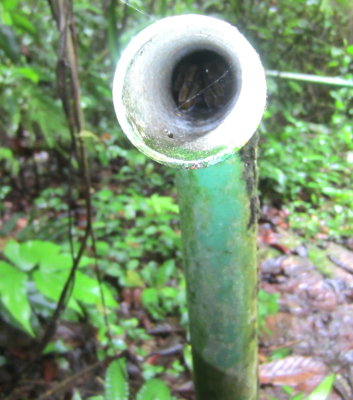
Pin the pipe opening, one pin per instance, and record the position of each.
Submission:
(189, 91)
(203, 85)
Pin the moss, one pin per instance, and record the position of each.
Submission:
(289, 239)
(248, 156)
(266, 253)
(183, 154)
(320, 260)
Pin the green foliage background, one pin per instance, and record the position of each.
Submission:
(306, 151)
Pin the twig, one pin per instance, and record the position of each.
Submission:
(69, 92)
(340, 264)
(68, 382)
(69, 88)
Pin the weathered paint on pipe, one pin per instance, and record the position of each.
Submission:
(218, 219)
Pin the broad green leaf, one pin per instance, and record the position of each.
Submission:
(151, 230)
(323, 390)
(298, 396)
(12, 252)
(12, 162)
(62, 261)
(275, 173)
(85, 261)
(9, 43)
(56, 262)
(288, 389)
(51, 283)
(165, 272)
(6, 154)
(151, 301)
(23, 23)
(87, 291)
(133, 279)
(116, 381)
(14, 296)
(27, 72)
(26, 255)
(154, 389)
(150, 296)
(10, 4)
(105, 195)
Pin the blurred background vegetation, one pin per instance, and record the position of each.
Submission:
(130, 259)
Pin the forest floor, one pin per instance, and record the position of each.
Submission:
(308, 337)
(313, 330)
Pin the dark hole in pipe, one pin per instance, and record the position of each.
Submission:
(203, 85)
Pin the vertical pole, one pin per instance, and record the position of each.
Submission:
(210, 141)
(218, 207)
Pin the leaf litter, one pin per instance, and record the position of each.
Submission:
(314, 328)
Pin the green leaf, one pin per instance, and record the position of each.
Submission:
(298, 396)
(133, 279)
(150, 296)
(116, 381)
(26, 255)
(12, 162)
(280, 353)
(6, 154)
(52, 276)
(76, 395)
(14, 296)
(10, 4)
(287, 389)
(105, 195)
(151, 301)
(323, 390)
(154, 389)
(12, 251)
(162, 204)
(165, 272)
(55, 262)
(87, 291)
(188, 357)
(23, 23)
(9, 43)
(36, 251)
(27, 72)
(51, 283)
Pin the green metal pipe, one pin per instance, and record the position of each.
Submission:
(218, 221)
(211, 143)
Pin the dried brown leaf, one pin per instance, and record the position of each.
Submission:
(292, 371)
